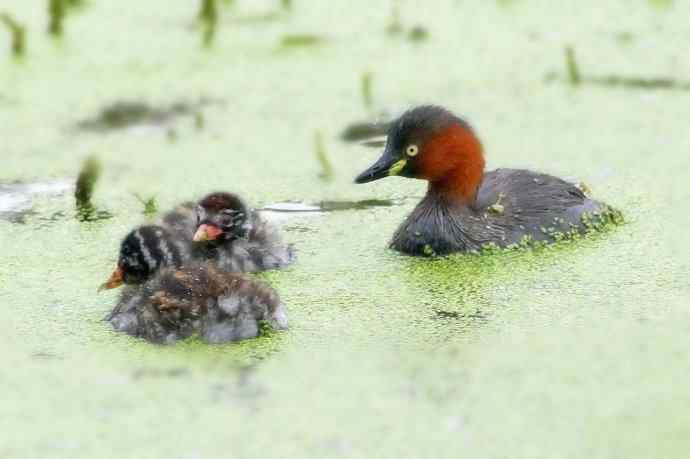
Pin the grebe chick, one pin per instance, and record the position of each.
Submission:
(165, 300)
(236, 238)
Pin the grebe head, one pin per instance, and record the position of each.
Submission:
(431, 143)
(142, 252)
(221, 217)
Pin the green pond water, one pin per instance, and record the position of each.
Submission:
(580, 350)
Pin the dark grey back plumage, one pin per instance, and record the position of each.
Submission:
(511, 205)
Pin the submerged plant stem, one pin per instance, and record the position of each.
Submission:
(367, 95)
(17, 32)
(56, 13)
(322, 157)
(571, 64)
(208, 16)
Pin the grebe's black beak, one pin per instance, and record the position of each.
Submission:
(388, 164)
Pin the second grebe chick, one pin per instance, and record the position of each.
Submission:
(236, 238)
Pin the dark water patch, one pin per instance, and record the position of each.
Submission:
(364, 130)
(125, 114)
(17, 34)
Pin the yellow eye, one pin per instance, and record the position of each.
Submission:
(411, 150)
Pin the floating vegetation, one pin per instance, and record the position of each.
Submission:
(286, 4)
(84, 188)
(56, 15)
(417, 33)
(300, 40)
(395, 26)
(627, 82)
(150, 205)
(364, 130)
(124, 114)
(367, 93)
(17, 32)
(86, 181)
(574, 77)
(322, 157)
(208, 17)
(571, 66)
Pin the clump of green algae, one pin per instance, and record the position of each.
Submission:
(150, 205)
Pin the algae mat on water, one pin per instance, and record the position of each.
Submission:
(574, 351)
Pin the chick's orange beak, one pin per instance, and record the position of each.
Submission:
(207, 232)
(115, 280)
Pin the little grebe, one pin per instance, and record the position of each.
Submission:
(167, 297)
(236, 238)
(465, 209)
